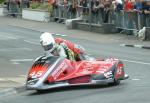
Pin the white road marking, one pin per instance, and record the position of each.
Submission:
(20, 80)
(135, 79)
(16, 63)
(17, 79)
(5, 36)
(22, 76)
(14, 49)
(1, 79)
(21, 60)
(138, 62)
(60, 34)
(35, 43)
(63, 35)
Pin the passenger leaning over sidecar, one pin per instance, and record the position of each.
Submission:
(61, 47)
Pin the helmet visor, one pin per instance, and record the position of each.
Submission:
(48, 47)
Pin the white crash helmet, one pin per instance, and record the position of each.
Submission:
(47, 41)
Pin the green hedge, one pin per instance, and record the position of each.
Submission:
(2, 1)
(40, 6)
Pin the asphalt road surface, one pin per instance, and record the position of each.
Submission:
(19, 47)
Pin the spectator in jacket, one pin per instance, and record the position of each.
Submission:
(138, 5)
(128, 5)
(146, 12)
(119, 5)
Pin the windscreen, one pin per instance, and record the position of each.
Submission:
(46, 60)
(41, 66)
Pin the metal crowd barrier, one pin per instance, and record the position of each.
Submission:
(62, 12)
(13, 9)
(125, 20)
(147, 20)
(131, 20)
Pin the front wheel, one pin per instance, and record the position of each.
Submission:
(115, 83)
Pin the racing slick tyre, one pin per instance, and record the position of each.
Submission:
(120, 70)
(41, 91)
(115, 83)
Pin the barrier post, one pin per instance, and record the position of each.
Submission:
(139, 21)
(90, 18)
(148, 20)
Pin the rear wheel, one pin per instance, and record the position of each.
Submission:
(118, 73)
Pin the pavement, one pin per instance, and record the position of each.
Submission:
(47, 27)
(17, 83)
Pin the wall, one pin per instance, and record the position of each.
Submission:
(37, 15)
(1, 11)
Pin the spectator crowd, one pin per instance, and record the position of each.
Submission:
(99, 8)
(14, 6)
(101, 11)
(127, 15)
(103, 6)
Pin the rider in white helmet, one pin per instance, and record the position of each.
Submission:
(52, 48)
(62, 48)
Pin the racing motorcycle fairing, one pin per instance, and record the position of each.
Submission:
(51, 72)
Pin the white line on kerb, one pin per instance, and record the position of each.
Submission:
(35, 43)
(138, 62)
(122, 44)
(21, 60)
(137, 46)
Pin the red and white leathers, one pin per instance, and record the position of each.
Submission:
(76, 49)
(61, 47)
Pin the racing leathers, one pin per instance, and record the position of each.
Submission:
(68, 50)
